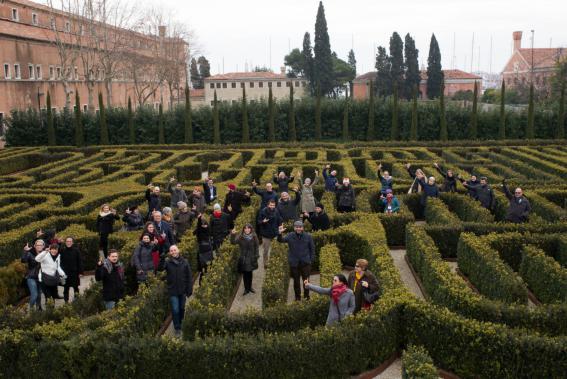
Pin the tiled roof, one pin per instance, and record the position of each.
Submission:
(367, 76)
(449, 75)
(543, 58)
(197, 93)
(247, 75)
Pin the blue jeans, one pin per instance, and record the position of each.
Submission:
(35, 295)
(177, 310)
(109, 304)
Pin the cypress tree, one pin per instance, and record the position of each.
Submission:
(307, 56)
(434, 70)
(443, 135)
(323, 61)
(318, 115)
(195, 75)
(502, 126)
(560, 132)
(188, 117)
(161, 128)
(102, 121)
(530, 133)
(352, 64)
(413, 127)
(79, 130)
(245, 126)
(216, 121)
(271, 117)
(131, 129)
(50, 127)
(397, 61)
(291, 119)
(413, 76)
(370, 133)
(345, 121)
(383, 76)
(473, 131)
(395, 131)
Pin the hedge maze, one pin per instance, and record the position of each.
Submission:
(495, 292)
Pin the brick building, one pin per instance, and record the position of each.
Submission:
(229, 86)
(42, 49)
(518, 70)
(455, 81)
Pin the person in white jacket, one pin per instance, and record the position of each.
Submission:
(50, 274)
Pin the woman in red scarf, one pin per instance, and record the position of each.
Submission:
(341, 304)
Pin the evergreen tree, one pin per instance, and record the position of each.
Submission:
(352, 64)
(413, 76)
(188, 117)
(560, 132)
(473, 131)
(131, 129)
(434, 70)
(323, 62)
(79, 129)
(216, 121)
(397, 61)
(102, 121)
(195, 75)
(245, 126)
(161, 126)
(271, 117)
(291, 118)
(345, 121)
(204, 69)
(318, 115)
(370, 133)
(51, 141)
(395, 131)
(502, 126)
(307, 62)
(530, 132)
(413, 127)
(383, 77)
(443, 135)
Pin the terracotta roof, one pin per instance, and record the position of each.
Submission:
(543, 58)
(247, 75)
(365, 77)
(449, 75)
(197, 93)
(25, 31)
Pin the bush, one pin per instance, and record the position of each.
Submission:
(436, 212)
(417, 364)
(544, 276)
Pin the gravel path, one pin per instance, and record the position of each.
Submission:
(394, 371)
(399, 256)
(86, 282)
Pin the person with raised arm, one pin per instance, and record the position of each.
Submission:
(386, 181)
(249, 246)
(450, 180)
(519, 208)
(177, 192)
(331, 180)
(307, 196)
(341, 302)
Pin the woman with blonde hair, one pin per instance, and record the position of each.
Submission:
(362, 280)
(307, 196)
(105, 226)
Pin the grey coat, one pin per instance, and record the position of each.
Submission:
(249, 252)
(143, 261)
(176, 195)
(337, 312)
(307, 197)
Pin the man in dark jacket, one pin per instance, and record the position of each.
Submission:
(283, 181)
(209, 190)
(111, 273)
(483, 193)
(234, 200)
(177, 193)
(132, 218)
(267, 195)
(154, 200)
(430, 189)
(473, 181)
(450, 182)
(269, 220)
(319, 219)
(519, 208)
(301, 253)
(331, 180)
(179, 285)
(72, 264)
(165, 233)
(287, 207)
(345, 197)
(221, 225)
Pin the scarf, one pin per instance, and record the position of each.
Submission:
(357, 278)
(217, 214)
(104, 214)
(337, 291)
(118, 266)
(247, 237)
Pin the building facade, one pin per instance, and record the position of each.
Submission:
(455, 81)
(256, 84)
(519, 70)
(42, 49)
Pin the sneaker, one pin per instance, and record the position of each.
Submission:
(252, 290)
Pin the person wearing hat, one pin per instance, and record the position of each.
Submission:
(301, 254)
(234, 200)
(345, 196)
(319, 219)
(221, 224)
(482, 192)
(390, 202)
(182, 219)
(177, 192)
(132, 218)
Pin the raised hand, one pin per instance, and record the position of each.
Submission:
(172, 179)
(233, 231)
(328, 166)
(229, 208)
(379, 166)
(306, 282)
(265, 220)
(254, 184)
(435, 164)
(408, 165)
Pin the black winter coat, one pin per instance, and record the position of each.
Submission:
(450, 182)
(236, 200)
(105, 225)
(72, 264)
(345, 196)
(319, 221)
(208, 191)
(266, 196)
(269, 229)
(28, 257)
(288, 209)
(133, 221)
(112, 282)
(484, 194)
(178, 276)
(301, 248)
(519, 208)
(154, 201)
(249, 252)
(220, 227)
(428, 191)
(283, 184)
(182, 222)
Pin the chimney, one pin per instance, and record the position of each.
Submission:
(162, 31)
(517, 40)
(282, 70)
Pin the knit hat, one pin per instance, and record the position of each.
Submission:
(231, 187)
(298, 223)
(388, 191)
(217, 207)
(319, 205)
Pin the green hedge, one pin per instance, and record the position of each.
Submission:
(436, 212)
(466, 208)
(417, 364)
(544, 276)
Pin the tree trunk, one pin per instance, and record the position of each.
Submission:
(108, 86)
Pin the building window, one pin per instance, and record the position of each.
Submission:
(279, 84)
(288, 84)
(76, 73)
(224, 85)
(242, 85)
(17, 73)
(269, 84)
(15, 15)
(233, 85)
(251, 84)
(212, 85)
(67, 26)
(296, 83)
(85, 108)
(260, 84)
(58, 70)
(51, 73)
(34, 19)
(30, 71)
(218, 85)
(7, 71)
(38, 73)
(212, 103)
(53, 23)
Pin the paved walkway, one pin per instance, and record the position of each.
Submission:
(86, 282)
(394, 371)
(252, 300)
(399, 257)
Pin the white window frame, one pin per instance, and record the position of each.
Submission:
(58, 73)
(7, 71)
(38, 72)
(31, 71)
(35, 19)
(17, 71)
(51, 72)
(15, 14)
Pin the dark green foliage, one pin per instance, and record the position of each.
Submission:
(318, 114)
(245, 126)
(271, 117)
(161, 127)
(530, 131)
(502, 125)
(413, 127)
(370, 132)
(296, 63)
(291, 116)
(131, 127)
(216, 121)
(412, 77)
(204, 69)
(188, 119)
(102, 122)
(78, 120)
(307, 56)
(443, 134)
(345, 122)
(473, 129)
(395, 129)
(417, 364)
(196, 79)
(51, 141)
(397, 68)
(560, 131)
(323, 62)
(383, 74)
(545, 277)
(434, 70)
(352, 64)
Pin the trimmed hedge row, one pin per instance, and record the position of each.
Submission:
(544, 276)
(468, 209)
(436, 212)
(417, 364)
